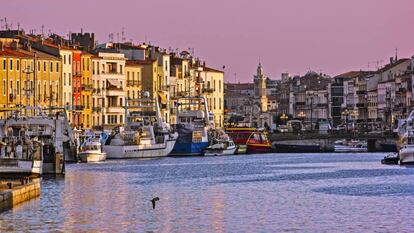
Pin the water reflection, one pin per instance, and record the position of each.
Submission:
(265, 193)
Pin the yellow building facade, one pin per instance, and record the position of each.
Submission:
(133, 80)
(86, 90)
(28, 78)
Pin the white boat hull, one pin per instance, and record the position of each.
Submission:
(217, 152)
(92, 157)
(407, 155)
(35, 166)
(139, 151)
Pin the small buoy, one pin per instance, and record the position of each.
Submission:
(154, 200)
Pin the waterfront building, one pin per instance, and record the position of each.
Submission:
(134, 71)
(213, 89)
(108, 99)
(28, 77)
(86, 90)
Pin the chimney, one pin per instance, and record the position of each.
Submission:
(14, 45)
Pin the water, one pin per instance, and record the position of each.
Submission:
(252, 193)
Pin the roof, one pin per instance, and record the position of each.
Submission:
(139, 62)
(353, 74)
(208, 69)
(392, 65)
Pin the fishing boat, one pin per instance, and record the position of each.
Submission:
(38, 143)
(91, 151)
(406, 152)
(221, 144)
(255, 140)
(192, 126)
(144, 135)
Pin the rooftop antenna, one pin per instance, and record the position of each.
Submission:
(5, 23)
(123, 39)
(111, 37)
(117, 37)
(396, 54)
(18, 26)
(43, 27)
(1, 23)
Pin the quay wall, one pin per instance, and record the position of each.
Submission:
(12, 197)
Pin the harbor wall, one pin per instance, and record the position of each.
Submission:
(16, 195)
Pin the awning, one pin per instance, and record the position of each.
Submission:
(114, 82)
(163, 97)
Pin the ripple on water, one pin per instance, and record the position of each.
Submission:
(370, 190)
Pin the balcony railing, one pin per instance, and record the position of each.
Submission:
(86, 87)
(131, 83)
(97, 109)
(300, 103)
(361, 92)
(113, 88)
(78, 107)
(208, 90)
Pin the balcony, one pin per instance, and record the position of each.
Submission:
(87, 87)
(300, 103)
(78, 108)
(362, 105)
(97, 109)
(165, 88)
(133, 83)
(114, 91)
(115, 109)
(361, 92)
(401, 90)
(208, 90)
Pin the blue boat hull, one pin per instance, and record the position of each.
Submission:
(189, 149)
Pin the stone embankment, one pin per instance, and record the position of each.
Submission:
(14, 193)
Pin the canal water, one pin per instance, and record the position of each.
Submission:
(250, 193)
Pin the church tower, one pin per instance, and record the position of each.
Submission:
(260, 88)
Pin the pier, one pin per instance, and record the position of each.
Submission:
(375, 141)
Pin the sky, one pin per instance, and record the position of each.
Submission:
(294, 36)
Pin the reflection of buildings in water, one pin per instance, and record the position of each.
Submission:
(93, 198)
(218, 208)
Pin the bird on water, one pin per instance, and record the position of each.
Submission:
(154, 200)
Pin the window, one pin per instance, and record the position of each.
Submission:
(70, 59)
(70, 79)
(4, 64)
(4, 87)
(38, 66)
(87, 64)
(11, 64)
(57, 67)
(64, 79)
(51, 66)
(64, 59)
(44, 90)
(128, 75)
(18, 87)
(121, 69)
(11, 87)
(44, 66)
(83, 63)
(133, 76)
(18, 65)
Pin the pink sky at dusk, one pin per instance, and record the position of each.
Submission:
(328, 36)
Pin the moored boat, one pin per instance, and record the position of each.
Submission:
(406, 154)
(145, 135)
(192, 126)
(91, 151)
(255, 140)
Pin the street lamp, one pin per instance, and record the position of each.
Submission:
(302, 116)
(284, 117)
(346, 114)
